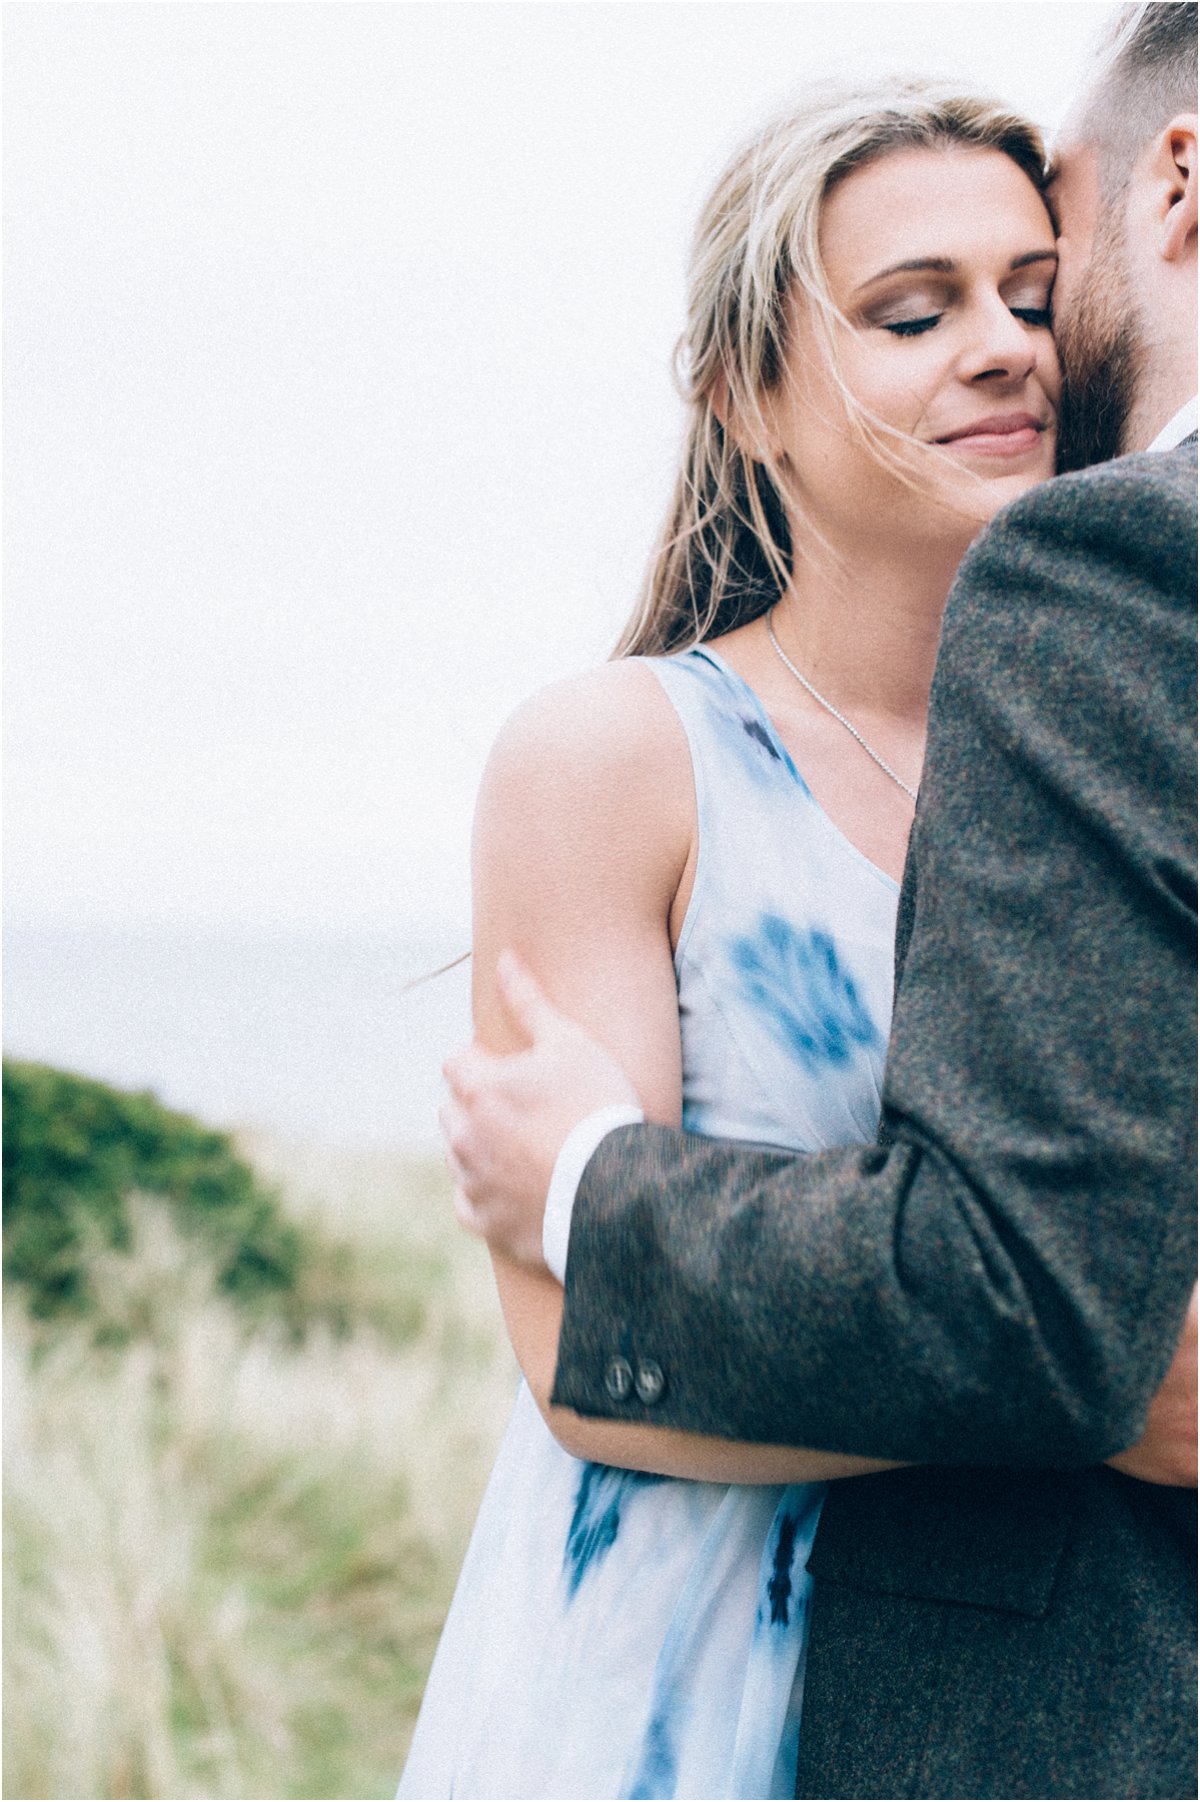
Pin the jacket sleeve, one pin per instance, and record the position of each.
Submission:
(1003, 1277)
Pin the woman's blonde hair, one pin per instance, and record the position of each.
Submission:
(725, 552)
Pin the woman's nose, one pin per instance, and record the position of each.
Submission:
(1001, 345)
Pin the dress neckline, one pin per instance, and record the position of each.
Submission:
(769, 727)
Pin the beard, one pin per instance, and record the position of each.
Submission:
(1100, 346)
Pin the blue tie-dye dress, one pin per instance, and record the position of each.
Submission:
(619, 1635)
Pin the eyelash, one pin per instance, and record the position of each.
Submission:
(1038, 317)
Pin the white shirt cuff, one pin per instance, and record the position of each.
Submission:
(577, 1150)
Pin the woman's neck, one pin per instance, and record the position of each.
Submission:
(865, 632)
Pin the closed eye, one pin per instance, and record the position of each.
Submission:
(912, 328)
(1036, 316)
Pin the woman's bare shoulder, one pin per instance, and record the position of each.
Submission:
(590, 780)
(609, 725)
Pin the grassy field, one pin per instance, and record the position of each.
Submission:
(228, 1552)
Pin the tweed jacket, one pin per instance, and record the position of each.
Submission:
(994, 1291)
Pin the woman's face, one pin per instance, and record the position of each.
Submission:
(942, 262)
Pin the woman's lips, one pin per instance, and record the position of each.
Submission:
(1009, 435)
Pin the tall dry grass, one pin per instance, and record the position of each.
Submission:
(228, 1553)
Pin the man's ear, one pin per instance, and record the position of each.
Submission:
(1175, 162)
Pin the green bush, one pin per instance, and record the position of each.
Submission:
(231, 1548)
(75, 1150)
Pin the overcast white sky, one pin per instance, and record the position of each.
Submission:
(338, 414)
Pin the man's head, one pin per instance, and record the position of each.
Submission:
(1124, 195)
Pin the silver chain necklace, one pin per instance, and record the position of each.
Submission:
(830, 708)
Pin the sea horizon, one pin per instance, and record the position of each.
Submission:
(304, 1032)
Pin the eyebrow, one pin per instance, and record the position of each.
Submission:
(947, 266)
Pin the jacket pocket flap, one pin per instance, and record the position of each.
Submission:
(984, 1538)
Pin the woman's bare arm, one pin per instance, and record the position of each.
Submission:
(584, 835)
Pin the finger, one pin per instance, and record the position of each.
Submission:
(473, 1069)
(524, 1002)
(462, 1073)
(465, 1214)
(454, 1170)
(456, 1136)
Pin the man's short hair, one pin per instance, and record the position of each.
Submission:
(1145, 73)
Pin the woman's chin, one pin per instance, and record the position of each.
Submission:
(982, 495)
(1012, 486)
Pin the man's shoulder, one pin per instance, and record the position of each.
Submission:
(1110, 496)
(1129, 521)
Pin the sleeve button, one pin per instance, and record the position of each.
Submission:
(649, 1382)
(618, 1379)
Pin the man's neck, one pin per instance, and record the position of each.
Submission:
(1166, 385)
(1151, 414)
(1181, 425)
